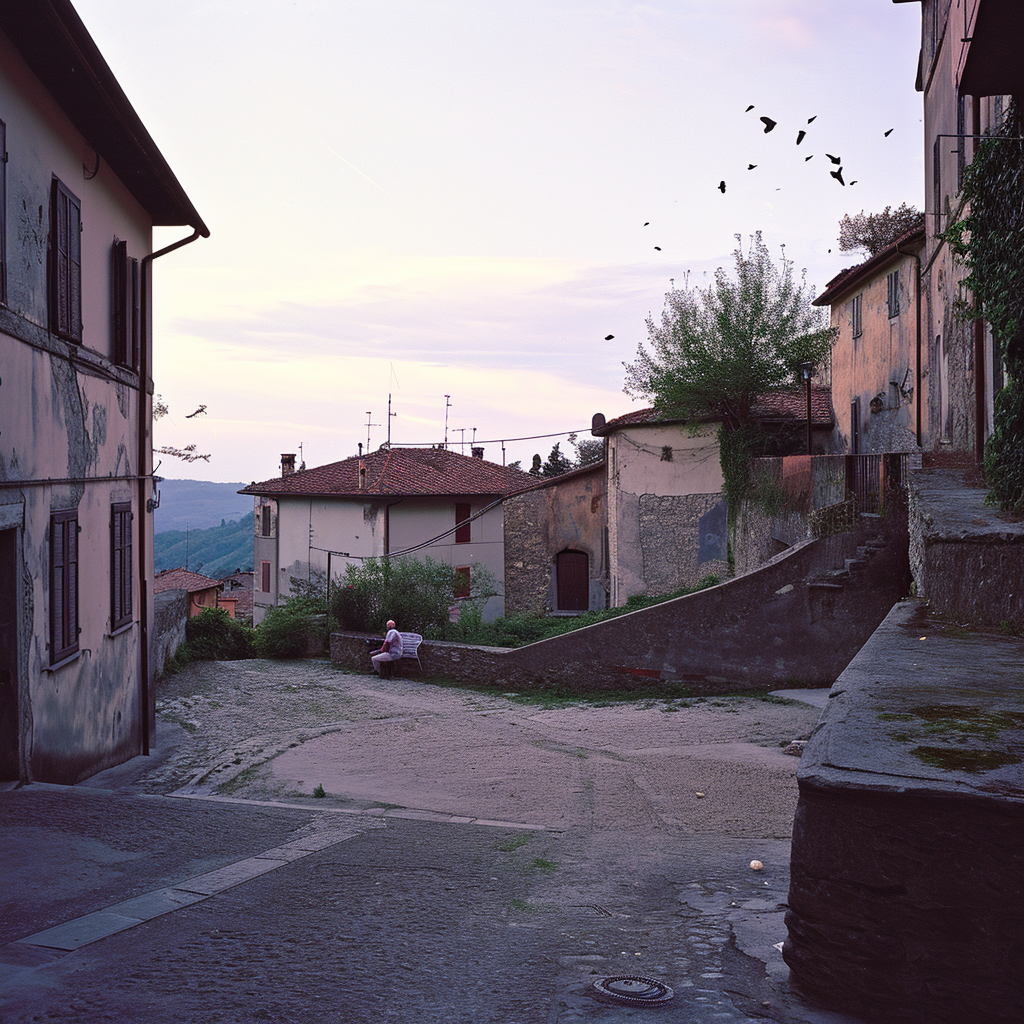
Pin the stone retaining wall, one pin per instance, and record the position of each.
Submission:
(772, 627)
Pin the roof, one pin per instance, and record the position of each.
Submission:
(853, 277)
(399, 472)
(182, 579)
(59, 50)
(778, 405)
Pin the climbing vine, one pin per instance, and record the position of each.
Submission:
(990, 240)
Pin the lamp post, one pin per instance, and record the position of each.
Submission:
(807, 369)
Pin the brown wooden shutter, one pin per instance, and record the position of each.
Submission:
(120, 318)
(63, 585)
(265, 577)
(120, 565)
(66, 263)
(462, 513)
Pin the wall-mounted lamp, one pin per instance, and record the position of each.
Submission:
(807, 372)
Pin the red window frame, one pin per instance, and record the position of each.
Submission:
(462, 581)
(265, 577)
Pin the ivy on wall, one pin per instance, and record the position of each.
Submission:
(990, 240)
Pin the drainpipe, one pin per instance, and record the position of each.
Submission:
(979, 325)
(917, 344)
(145, 476)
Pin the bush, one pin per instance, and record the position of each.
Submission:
(290, 631)
(213, 635)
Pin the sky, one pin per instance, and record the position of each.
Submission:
(431, 198)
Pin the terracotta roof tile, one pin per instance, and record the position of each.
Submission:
(182, 579)
(400, 471)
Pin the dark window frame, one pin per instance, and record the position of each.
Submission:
(266, 521)
(120, 564)
(65, 262)
(265, 577)
(893, 289)
(126, 321)
(3, 213)
(463, 511)
(64, 627)
(857, 315)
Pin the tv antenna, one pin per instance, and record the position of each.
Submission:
(369, 416)
(390, 416)
(447, 406)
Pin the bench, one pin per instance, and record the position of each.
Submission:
(410, 652)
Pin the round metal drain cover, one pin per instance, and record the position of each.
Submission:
(633, 990)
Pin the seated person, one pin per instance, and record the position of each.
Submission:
(392, 649)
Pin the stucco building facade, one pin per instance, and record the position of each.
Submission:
(81, 186)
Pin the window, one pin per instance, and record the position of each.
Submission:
(65, 263)
(127, 321)
(462, 513)
(120, 564)
(3, 212)
(855, 316)
(893, 283)
(63, 585)
(961, 147)
(265, 577)
(855, 427)
(572, 569)
(462, 581)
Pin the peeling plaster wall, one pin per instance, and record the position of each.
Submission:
(68, 441)
(569, 514)
(657, 545)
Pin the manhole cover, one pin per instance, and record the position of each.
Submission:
(632, 990)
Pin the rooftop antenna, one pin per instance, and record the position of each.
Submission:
(390, 415)
(462, 443)
(302, 461)
(503, 452)
(368, 425)
(447, 406)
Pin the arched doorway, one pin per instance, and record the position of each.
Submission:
(572, 573)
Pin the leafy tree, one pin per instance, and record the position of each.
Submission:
(556, 463)
(875, 231)
(588, 451)
(188, 453)
(718, 349)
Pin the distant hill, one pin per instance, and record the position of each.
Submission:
(198, 504)
(215, 552)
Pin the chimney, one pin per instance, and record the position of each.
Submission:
(362, 475)
(478, 453)
(360, 447)
(287, 465)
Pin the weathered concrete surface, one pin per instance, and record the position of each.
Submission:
(773, 627)
(170, 613)
(966, 560)
(908, 844)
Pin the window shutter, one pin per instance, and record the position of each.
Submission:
(120, 320)
(135, 315)
(66, 263)
(462, 513)
(63, 585)
(57, 529)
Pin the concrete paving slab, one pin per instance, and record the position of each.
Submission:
(230, 876)
(82, 930)
(817, 698)
(153, 904)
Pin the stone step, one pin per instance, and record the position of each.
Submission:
(853, 564)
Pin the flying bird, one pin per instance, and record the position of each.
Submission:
(888, 133)
(768, 123)
(806, 158)
(838, 175)
(201, 411)
(750, 167)
(834, 159)
(608, 337)
(810, 119)
(800, 135)
(657, 248)
(721, 186)
(852, 183)
(749, 109)
(646, 222)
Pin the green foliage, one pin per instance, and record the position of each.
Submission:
(990, 239)
(718, 349)
(291, 631)
(214, 635)
(416, 594)
(556, 463)
(318, 791)
(214, 552)
(877, 231)
(588, 452)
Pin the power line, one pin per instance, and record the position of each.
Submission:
(498, 440)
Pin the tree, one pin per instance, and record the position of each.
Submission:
(876, 231)
(556, 464)
(718, 349)
(588, 451)
(188, 453)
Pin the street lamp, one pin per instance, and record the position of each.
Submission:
(807, 370)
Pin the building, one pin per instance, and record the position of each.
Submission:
(969, 68)
(203, 592)
(82, 184)
(667, 515)
(556, 545)
(421, 502)
(879, 357)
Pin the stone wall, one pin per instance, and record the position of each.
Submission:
(170, 613)
(965, 561)
(683, 538)
(779, 625)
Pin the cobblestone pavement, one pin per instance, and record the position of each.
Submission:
(353, 909)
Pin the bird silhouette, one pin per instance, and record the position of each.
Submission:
(852, 183)
(834, 159)
(888, 133)
(608, 337)
(749, 109)
(750, 167)
(768, 123)
(800, 135)
(646, 222)
(806, 158)
(721, 186)
(838, 175)
(810, 119)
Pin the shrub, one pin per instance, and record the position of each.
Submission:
(213, 635)
(290, 631)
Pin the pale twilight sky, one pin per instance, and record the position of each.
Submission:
(448, 197)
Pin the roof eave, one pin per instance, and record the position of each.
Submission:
(849, 279)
